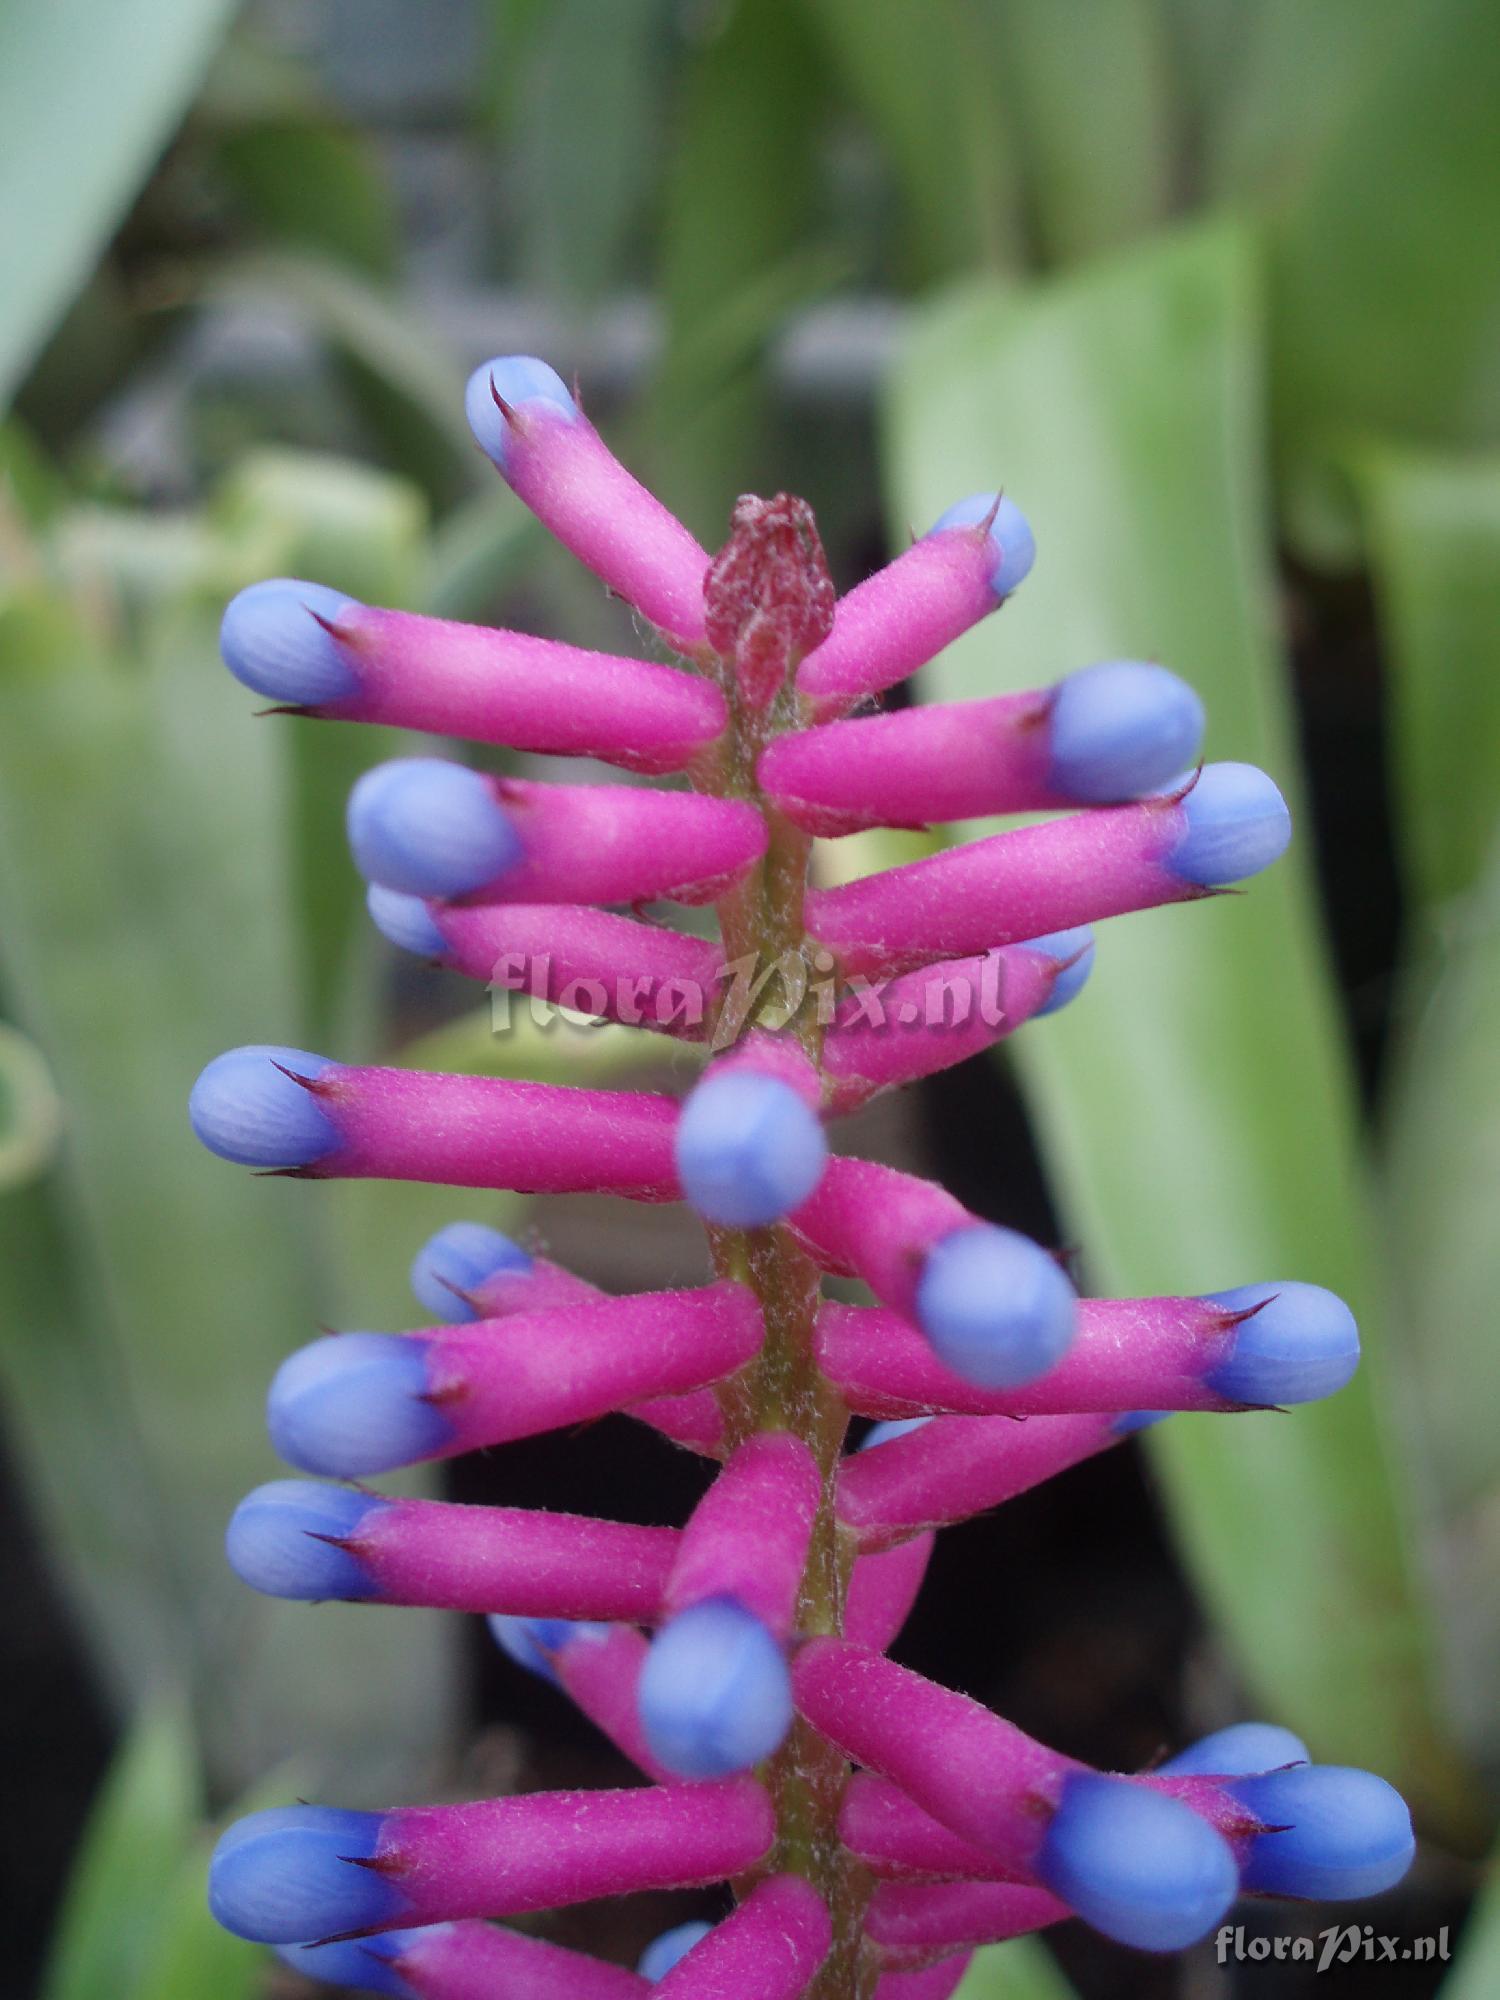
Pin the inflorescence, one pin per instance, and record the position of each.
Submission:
(875, 1827)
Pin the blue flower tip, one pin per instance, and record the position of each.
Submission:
(1141, 1867)
(533, 1643)
(664, 1952)
(1235, 824)
(749, 1149)
(1009, 533)
(456, 1261)
(517, 380)
(888, 1432)
(1073, 952)
(368, 1965)
(283, 1540)
(1244, 1749)
(1300, 1345)
(405, 921)
(355, 1403)
(715, 1696)
(1339, 1833)
(996, 1308)
(246, 1108)
(274, 637)
(290, 1874)
(1121, 729)
(1130, 1421)
(429, 827)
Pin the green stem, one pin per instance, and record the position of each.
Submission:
(761, 923)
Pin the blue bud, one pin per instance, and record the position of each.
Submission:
(996, 1308)
(1076, 945)
(518, 379)
(1301, 1345)
(405, 920)
(1246, 1747)
(429, 827)
(1345, 1833)
(749, 1150)
(1237, 824)
(1130, 1421)
(354, 1403)
(271, 640)
(246, 1109)
(459, 1259)
(1142, 1868)
(531, 1642)
(715, 1696)
(276, 1543)
(362, 1963)
(664, 1952)
(284, 1876)
(886, 1433)
(1010, 532)
(1120, 729)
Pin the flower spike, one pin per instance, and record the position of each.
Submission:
(868, 1829)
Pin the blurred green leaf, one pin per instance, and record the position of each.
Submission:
(507, 1040)
(1442, 1185)
(1379, 154)
(1476, 1971)
(312, 185)
(138, 1830)
(144, 925)
(1020, 1970)
(407, 388)
(1433, 535)
(89, 96)
(590, 139)
(1196, 1104)
(927, 79)
(740, 204)
(30, 1110)
(1091, 87)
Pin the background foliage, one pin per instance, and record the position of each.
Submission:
(1212, 288)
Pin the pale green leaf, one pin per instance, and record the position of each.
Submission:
(1196, 1103)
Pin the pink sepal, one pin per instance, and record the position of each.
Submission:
(748, 1536)
(693, 1420)
(470, 1960)
(882, 1590)
(526, 693)
(1003, 890)
(888, 1033)
(513, 1559)
(913, 1923)
(498, 1857)
(485, 1131)
(917, 767)
(978, 1774)
(771, 1947)
(600, 1672)
(498, 1380)
(578, 489)
(954, 1467)
(1128, 1354)
(622, 844)
(933, 1982)
(901, 617)
(892, 1836)
(875, 1223)
(594, 961)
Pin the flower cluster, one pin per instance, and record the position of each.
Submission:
(875, 1827)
